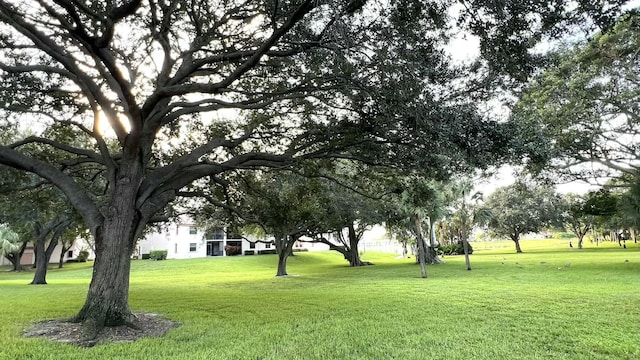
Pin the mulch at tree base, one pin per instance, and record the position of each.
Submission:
(64, 331)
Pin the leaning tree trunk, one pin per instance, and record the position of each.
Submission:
(516, 240)
(415, 219)
(107, 302)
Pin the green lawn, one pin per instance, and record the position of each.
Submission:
(551, 302)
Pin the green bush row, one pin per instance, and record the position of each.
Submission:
(269, 251)
(157, 255)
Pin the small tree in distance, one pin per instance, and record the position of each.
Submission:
(577, 217)
(521, 208)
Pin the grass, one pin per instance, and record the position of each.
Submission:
(550, 302)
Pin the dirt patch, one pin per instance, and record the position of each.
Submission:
(64, 331)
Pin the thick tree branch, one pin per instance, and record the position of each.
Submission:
(76, 194)
(251, 62)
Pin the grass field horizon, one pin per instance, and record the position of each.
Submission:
(549, 302)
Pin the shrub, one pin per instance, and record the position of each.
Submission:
(145, 256)
(249, 252)
(83, 255)
(300, 249)
(157, 255)
(232, 250)
(269, 251)
(454, 249)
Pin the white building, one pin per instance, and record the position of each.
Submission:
(184, 240)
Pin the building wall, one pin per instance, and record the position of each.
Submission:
(181, 241)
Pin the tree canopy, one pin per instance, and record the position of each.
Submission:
(585, 107)
(521, 208)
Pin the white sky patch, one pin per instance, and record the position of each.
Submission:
(464, 48)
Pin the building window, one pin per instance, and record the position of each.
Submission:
(192, 247)
(252, 245)
(192, 230)
(267, 245)
(70, 253)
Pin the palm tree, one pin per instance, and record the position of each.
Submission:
(10, 246)
(465, 212)
(419, 201)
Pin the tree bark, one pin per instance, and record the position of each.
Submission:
(465, 247)
(107, 302)
(353, 256)
(15, 262)
(432, 254)
(43, 255)
(40, 275)
(284, 250)
(415, 219)
(14, 257)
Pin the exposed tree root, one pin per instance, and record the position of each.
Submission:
(84, 335)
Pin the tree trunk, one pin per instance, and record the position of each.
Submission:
(107, 302)
(284, 250)
(465, 247)
(353, 256)
(16, 256)
(61, 260)
(417, 226)
(40, 275)
(432, 254)
(42, 260)
(580, 241)
(517, 241)
(15, 262)
(405, 251)
(66, 245)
